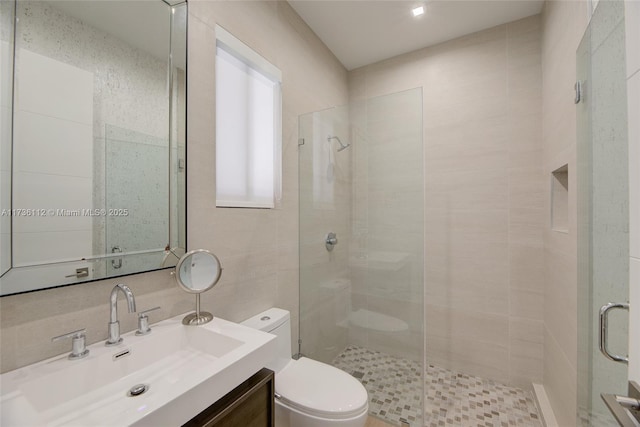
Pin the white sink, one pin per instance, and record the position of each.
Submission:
(187, 368)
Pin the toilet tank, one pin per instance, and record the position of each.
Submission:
(275, 321)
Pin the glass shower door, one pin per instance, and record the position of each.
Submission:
(603, 210)
(362, 294)
(325, 207)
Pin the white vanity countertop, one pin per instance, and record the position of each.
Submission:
(187, 369)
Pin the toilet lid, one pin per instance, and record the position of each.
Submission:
(318, 389)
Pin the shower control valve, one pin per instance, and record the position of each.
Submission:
(331, 241)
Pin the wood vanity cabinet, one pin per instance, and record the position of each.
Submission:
(251, 404)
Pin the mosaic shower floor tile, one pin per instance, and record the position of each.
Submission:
(394, 384)
(451, 399)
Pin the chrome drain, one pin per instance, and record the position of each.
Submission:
(137, 390)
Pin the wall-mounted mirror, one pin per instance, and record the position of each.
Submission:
(93, 131)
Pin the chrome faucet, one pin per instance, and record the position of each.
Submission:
(114, 325)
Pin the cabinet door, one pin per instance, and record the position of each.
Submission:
(251, 404)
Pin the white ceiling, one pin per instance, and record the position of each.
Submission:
(361, 32)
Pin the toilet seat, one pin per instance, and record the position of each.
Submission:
(318, 389)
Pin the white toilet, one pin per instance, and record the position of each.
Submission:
(309, 393)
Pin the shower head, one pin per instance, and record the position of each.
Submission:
(342, 146)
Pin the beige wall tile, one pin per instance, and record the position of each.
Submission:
(475, 190)
(526, 343)
(525, 227)
(446, 322)
(560, 381)
(526, 267)
(560, 311)
(526, 303)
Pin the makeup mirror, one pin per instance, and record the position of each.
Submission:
(197, 272)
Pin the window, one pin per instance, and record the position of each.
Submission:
(248, 126)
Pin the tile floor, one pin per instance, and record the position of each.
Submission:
(376, 422)
(451, 399)
(394, 384)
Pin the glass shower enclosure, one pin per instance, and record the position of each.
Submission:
(603, 210)
(362, 248)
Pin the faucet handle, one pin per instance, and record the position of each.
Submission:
(75, 334)
(142, 313)
(143, 321)
(78, 343)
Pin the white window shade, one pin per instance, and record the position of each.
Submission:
(248, 127)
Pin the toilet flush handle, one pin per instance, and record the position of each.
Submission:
(277, 395)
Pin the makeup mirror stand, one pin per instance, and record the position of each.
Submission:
(199, 317)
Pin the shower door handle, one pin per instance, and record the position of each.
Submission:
(604, 325)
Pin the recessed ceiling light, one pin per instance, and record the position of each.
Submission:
(417, 11)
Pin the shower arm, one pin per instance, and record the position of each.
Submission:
(342, 146)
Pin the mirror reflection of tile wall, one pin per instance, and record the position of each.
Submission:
(91, 79)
